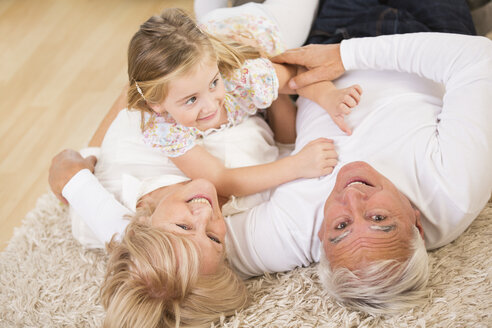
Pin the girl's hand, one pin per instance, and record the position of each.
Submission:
(316, 159)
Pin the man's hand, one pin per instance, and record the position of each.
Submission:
(323, 61)
(64, 166)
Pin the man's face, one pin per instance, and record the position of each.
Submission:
(366, 218)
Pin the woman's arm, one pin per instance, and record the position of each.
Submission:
(316, 159)
(72, 181)
(281, 117)
(119, 104)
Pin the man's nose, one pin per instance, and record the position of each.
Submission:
(354, 198)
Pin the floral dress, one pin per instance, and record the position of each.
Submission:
(254, 86)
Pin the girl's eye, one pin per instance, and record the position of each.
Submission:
(183, 226)
(378, 218)
(341, 226)
(214, 239)
(214, 84)
(191, 101)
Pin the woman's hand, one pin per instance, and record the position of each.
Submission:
(323, 61)
(316, 159)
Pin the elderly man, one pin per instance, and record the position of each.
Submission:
(416, 164)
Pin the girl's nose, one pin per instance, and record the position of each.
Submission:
(209, 105)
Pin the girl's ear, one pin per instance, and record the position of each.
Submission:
(158, 108)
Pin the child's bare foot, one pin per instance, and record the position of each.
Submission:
(339, 102)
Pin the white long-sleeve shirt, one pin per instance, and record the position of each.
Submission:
(424, 122)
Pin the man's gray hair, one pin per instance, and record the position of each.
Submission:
(383, 287)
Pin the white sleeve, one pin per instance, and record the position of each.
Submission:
(99, 209)
(460, 149)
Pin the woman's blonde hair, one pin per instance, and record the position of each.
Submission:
(170, 45)
(153, 280)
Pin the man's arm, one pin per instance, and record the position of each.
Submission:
(72, 181)
(462, 63)
(461, 147)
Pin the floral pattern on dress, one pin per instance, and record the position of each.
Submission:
(262, 30)
(253, 86)
(171, 138)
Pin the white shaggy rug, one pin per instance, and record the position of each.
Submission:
(48, 280)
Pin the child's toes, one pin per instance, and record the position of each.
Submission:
(355, 92)
(343, 108)
(349, 101)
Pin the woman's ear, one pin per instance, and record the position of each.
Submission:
(145, 219)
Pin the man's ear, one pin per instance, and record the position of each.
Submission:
(418, 224)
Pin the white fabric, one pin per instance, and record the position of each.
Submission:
(293, 17)
(129, 169)
(201, 7)
(435, 148)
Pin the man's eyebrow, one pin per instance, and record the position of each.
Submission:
(336, 240)
(387, 228)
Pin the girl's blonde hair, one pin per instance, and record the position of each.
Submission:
(170, 45)
(152, 280)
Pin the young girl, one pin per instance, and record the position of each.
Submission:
(193, 86)
(156, 274)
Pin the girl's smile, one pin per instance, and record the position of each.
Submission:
(208, 117)
(196, 99)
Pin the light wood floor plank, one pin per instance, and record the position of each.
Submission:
(62, 64)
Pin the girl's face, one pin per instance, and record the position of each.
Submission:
(196, 99)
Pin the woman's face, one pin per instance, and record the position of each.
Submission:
(192, 210)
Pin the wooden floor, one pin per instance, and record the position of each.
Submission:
(63, 62)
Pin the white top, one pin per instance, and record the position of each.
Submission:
(129, 169)
(434, 145)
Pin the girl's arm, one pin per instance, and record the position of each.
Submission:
(316, 159)
(284, 73)
(337, 102)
